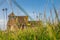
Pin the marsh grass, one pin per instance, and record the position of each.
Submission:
(37, 33)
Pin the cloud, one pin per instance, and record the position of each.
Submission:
(2, 24)
(1, 21)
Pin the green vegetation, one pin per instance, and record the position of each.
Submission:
(50, 32)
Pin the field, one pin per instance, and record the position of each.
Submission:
(50, 32)
(45, 13)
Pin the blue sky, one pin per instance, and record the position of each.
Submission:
(29, 6)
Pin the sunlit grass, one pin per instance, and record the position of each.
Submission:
(34, 33)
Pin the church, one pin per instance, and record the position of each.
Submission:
(17, 22)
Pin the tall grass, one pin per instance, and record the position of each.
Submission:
(37, 33)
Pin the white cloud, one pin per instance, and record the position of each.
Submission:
(1, 21)
(2, 24)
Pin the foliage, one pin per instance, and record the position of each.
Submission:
(35, 33)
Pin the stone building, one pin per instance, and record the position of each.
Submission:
(16, 22)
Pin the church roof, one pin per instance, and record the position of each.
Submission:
(12, 14)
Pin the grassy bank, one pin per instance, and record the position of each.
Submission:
(50, 32)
